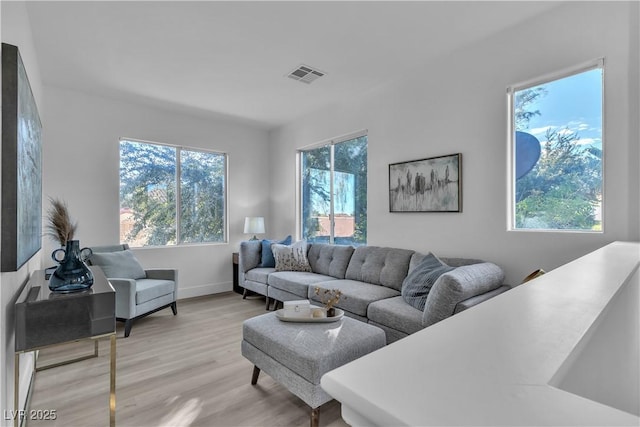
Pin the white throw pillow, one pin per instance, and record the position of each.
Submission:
(291, 257)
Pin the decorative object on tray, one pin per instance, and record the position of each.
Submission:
(72, 273)
(329, 298)
(300, 308)
(311, 319)
(426, 185)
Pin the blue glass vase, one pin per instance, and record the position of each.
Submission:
(73, 274)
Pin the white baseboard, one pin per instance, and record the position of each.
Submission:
(208, 289)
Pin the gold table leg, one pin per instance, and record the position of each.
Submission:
(112, 394)
(16, 390)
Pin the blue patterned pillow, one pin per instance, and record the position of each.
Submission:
(418, 283)
(267, 254)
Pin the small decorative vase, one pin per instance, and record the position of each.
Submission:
(331, 312)
(72, 275)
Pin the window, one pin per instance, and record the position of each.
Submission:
(171, 195)
(334, 192)
(557, 152)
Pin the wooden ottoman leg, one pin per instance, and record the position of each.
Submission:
(254, 377)
(315, 417)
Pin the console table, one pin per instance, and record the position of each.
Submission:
(44, 319)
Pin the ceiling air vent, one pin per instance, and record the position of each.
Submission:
(305, 74)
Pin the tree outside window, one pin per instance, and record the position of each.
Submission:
(334, 192)
(558, 153)
(171, 195)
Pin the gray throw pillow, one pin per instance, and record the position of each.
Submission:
(291, 257)
(418, 283)
(121, 265)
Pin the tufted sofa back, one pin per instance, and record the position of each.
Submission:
(330, 260)
(379, 265)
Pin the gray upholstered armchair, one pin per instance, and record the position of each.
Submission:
(139, 292)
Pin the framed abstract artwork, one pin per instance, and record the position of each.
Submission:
(426, 185)
(21, 165)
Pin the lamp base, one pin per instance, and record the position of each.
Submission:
(253, 238)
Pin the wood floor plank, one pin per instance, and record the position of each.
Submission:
(172, 371)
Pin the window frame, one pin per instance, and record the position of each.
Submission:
(598, 63)
(179, 149)
(332, 142)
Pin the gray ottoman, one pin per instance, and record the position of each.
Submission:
(297, 354)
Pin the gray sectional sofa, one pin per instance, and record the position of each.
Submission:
(371, 279)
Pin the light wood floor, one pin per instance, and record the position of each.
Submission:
(173, 371)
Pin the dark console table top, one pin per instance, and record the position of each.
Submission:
(45, 318)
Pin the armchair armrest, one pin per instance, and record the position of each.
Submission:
(125, 297)
(162, 274)
(165, 274)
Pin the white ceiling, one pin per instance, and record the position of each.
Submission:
(231, 58)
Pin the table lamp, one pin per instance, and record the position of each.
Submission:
(254, 225)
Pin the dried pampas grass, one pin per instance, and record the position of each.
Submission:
(59, 225)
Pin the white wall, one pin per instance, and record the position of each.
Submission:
(457, 103)
(16, 30)
(81, 166)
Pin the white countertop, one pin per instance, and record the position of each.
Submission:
(505, 361)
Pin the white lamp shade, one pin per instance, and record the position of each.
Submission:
(254, 225)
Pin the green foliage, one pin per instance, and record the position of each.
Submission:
(148, 189)
(349, 157)
(564, 187)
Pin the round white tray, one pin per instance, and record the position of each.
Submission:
(338, 316)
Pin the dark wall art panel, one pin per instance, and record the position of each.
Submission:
(426, 185)
(21, 164)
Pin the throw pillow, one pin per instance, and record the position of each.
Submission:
(291, 257)
(267, 259)
(121, 265)
(418, 283)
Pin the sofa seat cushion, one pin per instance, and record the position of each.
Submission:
(296, 282)
(395, 313)
(260, 274)
(356, 295)
(149, 289)
(330, 260)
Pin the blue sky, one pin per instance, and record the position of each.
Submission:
(573, 102)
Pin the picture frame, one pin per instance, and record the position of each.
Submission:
(433, 184)
(21, 223)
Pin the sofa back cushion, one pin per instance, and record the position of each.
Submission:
(250, 255)
(379, 266)
(330, 260)
(418, 257)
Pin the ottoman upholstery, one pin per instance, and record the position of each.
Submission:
(297, 355)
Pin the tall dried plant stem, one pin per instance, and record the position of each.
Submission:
(59, 225)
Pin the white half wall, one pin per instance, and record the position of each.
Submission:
(16, 30)
(81, 166)
(458, 103)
